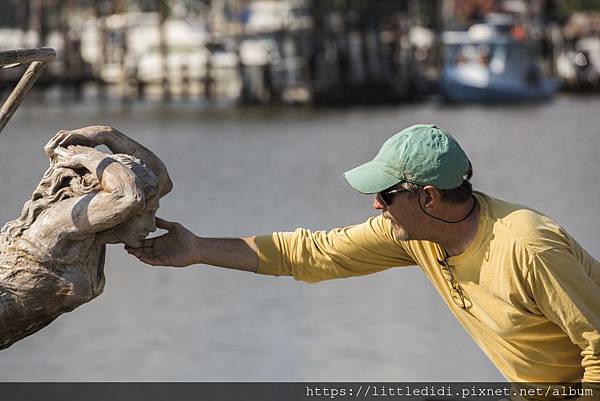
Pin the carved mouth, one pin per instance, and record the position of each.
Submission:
(141, 237)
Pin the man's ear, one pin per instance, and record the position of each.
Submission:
(431, 197)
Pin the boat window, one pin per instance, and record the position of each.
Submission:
(498, 62)
(472, 54)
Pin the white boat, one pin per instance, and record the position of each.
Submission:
(486, 65)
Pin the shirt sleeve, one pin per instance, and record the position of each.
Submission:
(343, 252)
(567, 295)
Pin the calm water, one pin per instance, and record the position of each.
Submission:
(255, 171)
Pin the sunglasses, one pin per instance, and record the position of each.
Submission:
(459, 297)
(387, 197)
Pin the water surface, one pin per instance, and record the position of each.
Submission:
(241, 172)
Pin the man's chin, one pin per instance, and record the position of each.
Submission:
(401, 233)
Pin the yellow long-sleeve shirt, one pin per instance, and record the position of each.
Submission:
(533, 291)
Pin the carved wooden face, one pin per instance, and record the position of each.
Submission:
(136, 228)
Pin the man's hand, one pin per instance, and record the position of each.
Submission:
(180, 247)
(176, 248)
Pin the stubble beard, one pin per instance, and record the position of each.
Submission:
(401, 233)
(399, 230)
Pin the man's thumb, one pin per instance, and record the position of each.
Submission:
(167, 225)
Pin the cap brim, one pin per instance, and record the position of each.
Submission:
(369, 178)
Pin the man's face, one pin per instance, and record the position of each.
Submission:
(402, 212)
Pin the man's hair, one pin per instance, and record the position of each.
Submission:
(460, 194)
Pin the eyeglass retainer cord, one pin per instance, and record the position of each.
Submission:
(447, 221)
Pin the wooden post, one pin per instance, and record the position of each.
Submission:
(162, 11)
(100, 15)
(208, 77)
(126, 91)
(21, 15)
(38, 59)
(36, 16)
(63, 27)
(185, 81)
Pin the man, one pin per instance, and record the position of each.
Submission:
(525, 290)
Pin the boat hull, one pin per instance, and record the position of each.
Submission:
(456, 88)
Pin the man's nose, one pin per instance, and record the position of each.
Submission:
(378, 205)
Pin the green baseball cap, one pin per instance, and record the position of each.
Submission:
(422, 154)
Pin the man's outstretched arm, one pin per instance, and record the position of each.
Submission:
(179, 247)
(306, 255)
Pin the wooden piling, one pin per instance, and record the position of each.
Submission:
(36, 18)
(185, 81)
(208, 78)
(166, 87)
(38, 59)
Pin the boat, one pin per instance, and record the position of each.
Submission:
(578, 53)
(487, 64)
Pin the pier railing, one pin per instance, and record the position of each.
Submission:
(37, 60)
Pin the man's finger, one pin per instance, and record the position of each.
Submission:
(168, 225)
(144, 254)
(147, 243)
(147, 252)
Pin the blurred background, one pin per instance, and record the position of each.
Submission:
(257, 108)
(309, 51)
